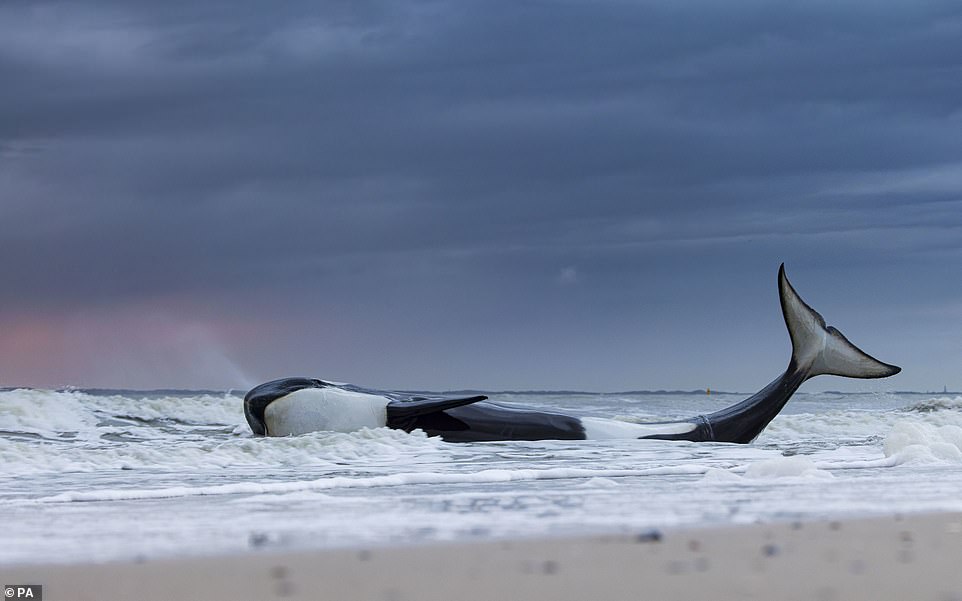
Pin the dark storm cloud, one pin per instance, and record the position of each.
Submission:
(494, 153)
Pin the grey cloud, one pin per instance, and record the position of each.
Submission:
(453, 159)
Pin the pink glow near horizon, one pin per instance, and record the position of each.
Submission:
(141, 346)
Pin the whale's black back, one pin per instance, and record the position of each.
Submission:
(491, 421)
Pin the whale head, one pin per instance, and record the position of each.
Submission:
(258, 398)
(300, 405)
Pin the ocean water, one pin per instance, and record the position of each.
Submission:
(101, 475)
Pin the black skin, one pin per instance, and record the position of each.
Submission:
(744, 421)
(490, 421)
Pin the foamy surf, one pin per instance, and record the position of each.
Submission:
(394, 480)
(80, 471)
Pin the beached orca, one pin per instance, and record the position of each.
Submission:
(299, 405)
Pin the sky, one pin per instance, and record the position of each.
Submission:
(491, 195)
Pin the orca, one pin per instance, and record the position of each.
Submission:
(292, 406)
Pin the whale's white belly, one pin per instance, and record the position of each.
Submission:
(597, 428)
(324, 409)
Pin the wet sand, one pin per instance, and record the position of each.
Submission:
(916, 557)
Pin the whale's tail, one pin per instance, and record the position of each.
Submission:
(817, 349)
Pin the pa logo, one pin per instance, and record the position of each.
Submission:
(34, 592)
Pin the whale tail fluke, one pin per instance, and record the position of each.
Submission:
(818, 349)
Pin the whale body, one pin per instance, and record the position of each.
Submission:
(291, 406)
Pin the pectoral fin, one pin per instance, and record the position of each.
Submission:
(402, 414)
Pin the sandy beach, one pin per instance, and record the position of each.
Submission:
(897, 557)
